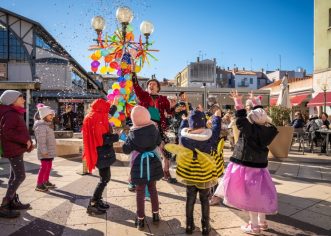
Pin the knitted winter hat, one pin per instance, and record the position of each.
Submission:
(140, 117)
(45, 111)
(9, 97)
(197, 120)
(258, 116)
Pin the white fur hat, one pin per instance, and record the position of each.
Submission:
(258, 116)
(45, 111)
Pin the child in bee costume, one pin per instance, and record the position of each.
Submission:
(196, 167)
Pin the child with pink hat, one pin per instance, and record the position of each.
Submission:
(146, 167)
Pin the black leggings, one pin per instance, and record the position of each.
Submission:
(17, 176)
(191, 194)
(104, 179)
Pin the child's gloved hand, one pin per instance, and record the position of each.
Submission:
(134, 77)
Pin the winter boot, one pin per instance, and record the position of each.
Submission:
(205, 227)
(16, 204)
(189, 226)
(94, 209)
(6, 212)
(140, 223)
(156, 218)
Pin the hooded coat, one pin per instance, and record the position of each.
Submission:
(140, 141)
(95, 124)
(45, 138)
(13, 131)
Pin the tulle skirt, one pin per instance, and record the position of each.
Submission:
(249, 189)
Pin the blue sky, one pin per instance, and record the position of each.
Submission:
(251, 34)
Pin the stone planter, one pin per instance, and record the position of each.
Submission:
(280, 146)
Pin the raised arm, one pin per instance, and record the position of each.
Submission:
(141, 94)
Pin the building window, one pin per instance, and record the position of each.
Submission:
(77, 80)
(3, 42)
(329, 17)
(40, 42)
(10, 46)
(251, 80)
(16, 49)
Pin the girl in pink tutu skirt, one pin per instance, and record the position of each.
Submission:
(247, 182)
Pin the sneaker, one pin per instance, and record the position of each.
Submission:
(103, 205)
(148, 199)
(16, 204)
(263, 226)
(94, 209)
(131, 187)
(215, 201)
(49, 185)
(41, 188)
(250, 229)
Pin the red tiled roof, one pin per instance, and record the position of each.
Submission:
(291, 80)
(244, 72)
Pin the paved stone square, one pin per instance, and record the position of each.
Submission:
(303, 183)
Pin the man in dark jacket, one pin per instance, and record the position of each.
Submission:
(183, 107)
(14, 141)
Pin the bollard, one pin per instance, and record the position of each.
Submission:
(84, 171)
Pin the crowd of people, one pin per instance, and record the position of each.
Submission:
(312, 126)
(246, 183)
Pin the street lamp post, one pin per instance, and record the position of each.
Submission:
(324, 88)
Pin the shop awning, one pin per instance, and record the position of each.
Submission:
(298, 99)
(318, 100)
(273, 101)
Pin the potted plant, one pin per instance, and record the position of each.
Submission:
(280, 146)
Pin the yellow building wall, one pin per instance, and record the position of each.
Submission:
(322, 35)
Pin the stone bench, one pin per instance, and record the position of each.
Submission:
(68, 146)
(63, 134)
(73, 146)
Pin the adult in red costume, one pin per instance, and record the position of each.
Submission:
(151, 98)
(95, 125)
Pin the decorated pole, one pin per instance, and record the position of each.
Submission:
(120, 54)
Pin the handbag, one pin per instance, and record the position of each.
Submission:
(106, 152)
(155, 114)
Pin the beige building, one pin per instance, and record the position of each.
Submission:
(198, 74)
(322, 52)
